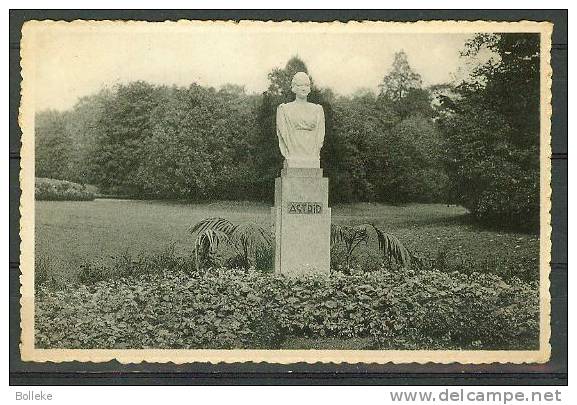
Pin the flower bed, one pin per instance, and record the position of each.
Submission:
(61, 190)
(224, 308)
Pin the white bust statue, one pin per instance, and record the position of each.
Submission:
(300, 126)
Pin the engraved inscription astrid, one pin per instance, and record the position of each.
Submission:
(305, 208)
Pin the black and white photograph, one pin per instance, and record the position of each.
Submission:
(281, 192)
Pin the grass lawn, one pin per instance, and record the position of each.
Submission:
(69, 233)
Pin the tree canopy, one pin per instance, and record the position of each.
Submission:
(492, 132)
(400, 80)
(475, 144)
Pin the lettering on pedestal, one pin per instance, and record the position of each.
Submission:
(305, 208)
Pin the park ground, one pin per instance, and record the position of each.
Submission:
(70, 233)
(91, 299)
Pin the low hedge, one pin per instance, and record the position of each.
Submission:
(224, 308)
(61, 190)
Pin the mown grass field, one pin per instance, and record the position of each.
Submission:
(69, 233)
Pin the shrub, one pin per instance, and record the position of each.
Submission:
(61, 190)
(162, 310)
(247, 244)
(224, 308)
(389, 246)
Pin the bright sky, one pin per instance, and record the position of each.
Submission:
(77, 60)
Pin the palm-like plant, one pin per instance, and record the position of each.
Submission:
(250, 243)
(391, 248)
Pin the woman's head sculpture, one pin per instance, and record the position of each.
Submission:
(301, 85)
(300, 127)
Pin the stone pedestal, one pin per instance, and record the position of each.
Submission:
(302, 222)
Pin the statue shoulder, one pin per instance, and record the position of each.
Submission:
(280, 109)
(319, 108)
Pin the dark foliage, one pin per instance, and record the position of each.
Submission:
(225, 309)
(52, 145)
(200, 143)
(492, 133)
(476, 145)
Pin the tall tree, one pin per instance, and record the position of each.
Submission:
(52, 144)
(200, 145)
(492, 132)
(400, 80)
(123, 130)
(82, 128)
(401, 92)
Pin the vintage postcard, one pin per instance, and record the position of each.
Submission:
(282, 192)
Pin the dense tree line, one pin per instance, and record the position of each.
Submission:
(491, 131)
(203, 143)
(475, 144)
